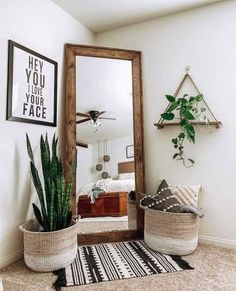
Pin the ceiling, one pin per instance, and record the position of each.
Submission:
(103, 15)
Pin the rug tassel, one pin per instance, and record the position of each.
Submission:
(61, 279)
(182, 263)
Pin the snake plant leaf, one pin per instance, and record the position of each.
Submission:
(39, 189)
(54, 146)
(55, 197)
(59, 199)
(38, 216)
(170, 98)
(47, 145)
(54, 158)
(51, 208)
(63, 189)
(29, 148)
(69, 218)
(168, 115)
(45, 161)
(69, 187)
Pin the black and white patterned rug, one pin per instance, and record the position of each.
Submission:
(114, 261)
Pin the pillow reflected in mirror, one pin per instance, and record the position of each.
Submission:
(126, 176)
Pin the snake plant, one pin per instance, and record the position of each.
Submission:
(55, 192)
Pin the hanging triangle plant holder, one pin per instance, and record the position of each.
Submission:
(187, 112)
(211, 120)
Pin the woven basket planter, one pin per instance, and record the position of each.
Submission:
(49, 251)
(171, 233)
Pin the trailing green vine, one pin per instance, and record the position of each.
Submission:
(187, 110)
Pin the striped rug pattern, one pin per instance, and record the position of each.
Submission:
(114, 261)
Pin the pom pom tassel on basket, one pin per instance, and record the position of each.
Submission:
(171, 233)
(49, 251)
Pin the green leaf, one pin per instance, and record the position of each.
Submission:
(191, 161)
(69, 218)
(190, 132)
(190, 129)
(29, 148)
(173, 106)
(181, 135)
(38, 215)
(55, 196)
(175, 156)
(39, 189)
(45, 161)
(188, 115)
(170, 98)
(168, 115)
(52, 207)
(183, 100)
(183, 122)
(199, 97)
(174, 140)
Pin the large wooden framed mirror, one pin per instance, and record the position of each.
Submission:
(104, 122)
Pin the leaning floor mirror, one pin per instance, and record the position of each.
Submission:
(104, 123)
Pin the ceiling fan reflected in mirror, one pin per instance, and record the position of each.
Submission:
(93, 117)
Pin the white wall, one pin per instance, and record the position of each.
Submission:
(45, 28)
(205, 39)
(84, 173)
(116, 149)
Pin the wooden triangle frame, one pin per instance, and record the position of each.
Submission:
(160, 124)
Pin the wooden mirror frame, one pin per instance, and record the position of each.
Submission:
(71, 51)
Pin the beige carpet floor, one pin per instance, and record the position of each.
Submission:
(215, 270)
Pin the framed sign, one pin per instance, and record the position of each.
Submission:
(32, 86)
(129, 151)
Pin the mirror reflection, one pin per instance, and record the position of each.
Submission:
(104, 133)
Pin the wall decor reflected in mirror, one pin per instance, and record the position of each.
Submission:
(103, 88)
(130, 151)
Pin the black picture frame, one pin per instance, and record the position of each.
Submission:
(28, 99)
(130, 151)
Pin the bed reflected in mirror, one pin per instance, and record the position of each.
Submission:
(104, 136)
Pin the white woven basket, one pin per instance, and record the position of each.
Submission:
(49, 251)
(171, 233)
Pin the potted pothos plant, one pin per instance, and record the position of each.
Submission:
(186, 109)
(50, 240)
